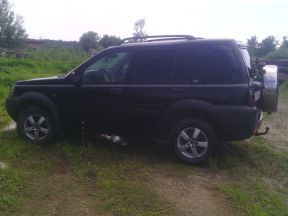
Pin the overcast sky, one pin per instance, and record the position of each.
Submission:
(238, 19)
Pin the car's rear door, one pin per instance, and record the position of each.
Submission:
(149, 90)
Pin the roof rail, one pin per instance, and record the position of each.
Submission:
(156, 38)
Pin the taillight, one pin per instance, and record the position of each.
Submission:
(251, 99)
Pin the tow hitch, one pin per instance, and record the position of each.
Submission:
(262, 133)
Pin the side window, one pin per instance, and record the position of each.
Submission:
(154, 66)
(216, 64)
(110, 68)
(185, 72)
(208, 64)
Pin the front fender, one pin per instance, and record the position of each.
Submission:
(16, 104)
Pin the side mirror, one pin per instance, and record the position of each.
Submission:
(76, 79)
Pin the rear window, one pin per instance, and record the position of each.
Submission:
(248, 61)
(208, 64)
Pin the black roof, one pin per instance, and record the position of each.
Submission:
(175, 43)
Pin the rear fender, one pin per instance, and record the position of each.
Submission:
(183, 109)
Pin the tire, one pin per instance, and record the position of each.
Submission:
(35, 125)
(193, 140)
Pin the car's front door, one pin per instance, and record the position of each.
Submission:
(103, 90)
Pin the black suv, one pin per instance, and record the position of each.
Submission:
(191, 91)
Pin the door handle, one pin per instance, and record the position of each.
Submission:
(116, 91)
(178, 90)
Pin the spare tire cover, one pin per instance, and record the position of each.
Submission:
(270, 91)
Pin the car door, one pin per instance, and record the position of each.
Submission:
(149, 90)
(103, 90)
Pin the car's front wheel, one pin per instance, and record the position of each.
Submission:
(35, 125)
(193, 140)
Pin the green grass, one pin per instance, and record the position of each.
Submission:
(119, 176)
(283, 92)
(256, 177)
(256, 171)
(254, 198)
(11, 184)
(12, 179)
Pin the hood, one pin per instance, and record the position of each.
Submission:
(43, 81)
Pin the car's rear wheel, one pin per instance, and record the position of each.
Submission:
(193, 140)
(36, 125)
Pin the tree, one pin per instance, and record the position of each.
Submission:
(284, 43)
(12, 32)
(138, 28)
(107, 41)
(252, 45)
(267, 45)
(89, 40)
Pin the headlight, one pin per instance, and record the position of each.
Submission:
(12, 90)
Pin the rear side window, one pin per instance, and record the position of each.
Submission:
(154, 66)
(208, 64)
(185, 72)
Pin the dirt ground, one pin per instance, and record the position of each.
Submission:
(61, 193)
(194, 195)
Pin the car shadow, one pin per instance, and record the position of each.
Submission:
(142, 146)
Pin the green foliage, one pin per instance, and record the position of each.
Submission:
(267, 45)
(284, 43)
(43, 62)
(281, 53)
(107, 41)
(252, 45)
(12, 32)
(89, 40)
(68, 55)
